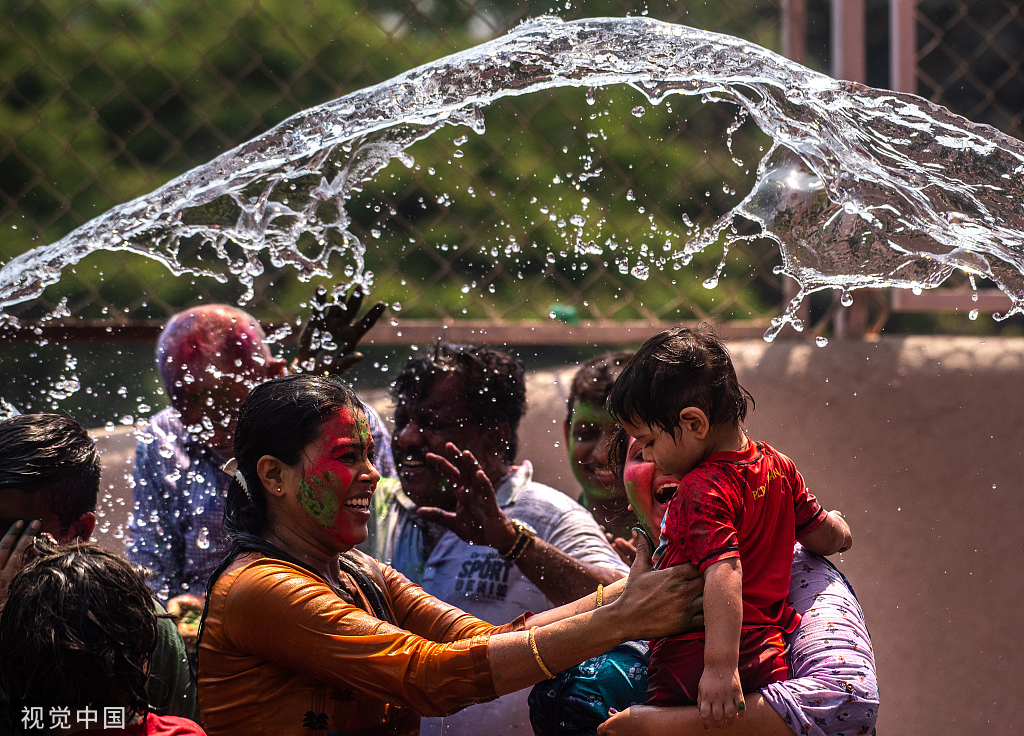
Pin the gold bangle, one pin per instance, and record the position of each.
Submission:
(536, 654)
(600, 594)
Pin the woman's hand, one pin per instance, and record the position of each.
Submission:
(13, 549)
(626, 548)
(629, 722)
(659, 603)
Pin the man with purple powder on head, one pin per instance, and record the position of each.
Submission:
(209, 358)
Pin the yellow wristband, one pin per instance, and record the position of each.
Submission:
(600, 594)
(536, 654)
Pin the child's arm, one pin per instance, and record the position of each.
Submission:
(830, 536)
(719, 692)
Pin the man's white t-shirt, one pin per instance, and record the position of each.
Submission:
(475, 579)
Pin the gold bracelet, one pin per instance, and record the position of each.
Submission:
(600, 594)
(536, 654)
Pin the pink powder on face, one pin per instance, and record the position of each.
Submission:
(328, 480)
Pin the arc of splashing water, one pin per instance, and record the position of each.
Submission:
(861, 187)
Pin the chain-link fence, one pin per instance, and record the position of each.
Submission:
(104, 100)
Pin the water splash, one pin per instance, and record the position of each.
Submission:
(860, 188)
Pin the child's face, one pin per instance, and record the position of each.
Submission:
(677, 454)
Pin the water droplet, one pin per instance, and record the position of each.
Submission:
(846, 298)
(458, 153)
(641, 271)
(465, 288)
(396, 306)
(973, 314)
(821, 341)
(461, 139)
(639, 111)
(375, 233)
(550, 257)
(591, 95)
(711, 283)
(203, 540)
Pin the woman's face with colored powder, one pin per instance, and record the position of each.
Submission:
(648, 487)
(338, 479)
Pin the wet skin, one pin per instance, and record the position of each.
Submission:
(424, 424)
(677, 453)
(338, 479)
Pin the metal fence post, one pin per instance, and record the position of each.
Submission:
(849, 62)
(903, 45)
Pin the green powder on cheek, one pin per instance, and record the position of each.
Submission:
(363, 430)
(320, 503)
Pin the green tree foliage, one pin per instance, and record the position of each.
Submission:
(104, 100)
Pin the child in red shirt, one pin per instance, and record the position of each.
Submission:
(737, 501)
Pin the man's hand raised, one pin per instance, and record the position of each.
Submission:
(338, 320)
(477, 518)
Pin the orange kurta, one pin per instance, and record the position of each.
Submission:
(283, 653)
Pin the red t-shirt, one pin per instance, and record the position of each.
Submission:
(750, 504)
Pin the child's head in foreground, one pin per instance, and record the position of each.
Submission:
(677, 395)
(77, 631)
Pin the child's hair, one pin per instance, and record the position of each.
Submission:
(675, 369)
(52, 454)
(279, 418)
(77, 630)
(594, 379)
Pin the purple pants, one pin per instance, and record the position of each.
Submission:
(832, 690)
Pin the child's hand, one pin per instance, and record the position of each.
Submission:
(719, 696)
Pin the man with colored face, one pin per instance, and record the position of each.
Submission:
(588, 429)
(209, 358)
(49, 483)
(517, 545)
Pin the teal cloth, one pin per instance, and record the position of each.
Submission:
(576, 701)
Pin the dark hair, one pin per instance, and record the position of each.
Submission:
(77, 630)
(53, 454)
(618, 445)
(495, 384)
(593, 381)
(675, 369)
(279, 418)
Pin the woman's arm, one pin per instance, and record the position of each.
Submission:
(759, 719)
(279, 613)
(651, 604)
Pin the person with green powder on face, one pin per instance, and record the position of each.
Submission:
(588, 427)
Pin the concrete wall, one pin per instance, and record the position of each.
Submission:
(919, 442)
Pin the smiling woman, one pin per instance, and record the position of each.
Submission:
(331, 639)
